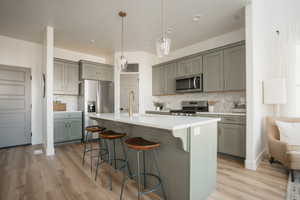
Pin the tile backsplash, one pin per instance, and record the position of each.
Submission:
(224, 100)
(71, 101)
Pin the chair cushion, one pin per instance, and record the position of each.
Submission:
(289, 132)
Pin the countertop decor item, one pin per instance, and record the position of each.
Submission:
(58, 106)
(158, 106)
(211, 106)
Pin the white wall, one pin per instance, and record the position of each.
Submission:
(146, 61)
(263, 18)
(22, 53)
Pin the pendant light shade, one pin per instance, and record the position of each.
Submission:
(123, 60)
(163, 44)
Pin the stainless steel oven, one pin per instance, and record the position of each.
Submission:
(192, 83)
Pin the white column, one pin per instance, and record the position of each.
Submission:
(48, 99)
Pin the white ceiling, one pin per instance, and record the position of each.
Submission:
(77, 22)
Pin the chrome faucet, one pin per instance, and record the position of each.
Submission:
(131, 102)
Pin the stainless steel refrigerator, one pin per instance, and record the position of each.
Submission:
(99, 93)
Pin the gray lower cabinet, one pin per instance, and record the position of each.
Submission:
(67, 127)
(231, 134)
(213, 72)
(96, 71)
(66, 77)
(235, 68)
(231, 139)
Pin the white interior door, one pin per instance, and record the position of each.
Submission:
(15, 106)
(129, 82)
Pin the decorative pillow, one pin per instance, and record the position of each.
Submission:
(289, 132)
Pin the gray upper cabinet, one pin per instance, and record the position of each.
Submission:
(235, 68)
(158, 80)
(66, 77)
(96, 71)
(190, 66)
(213, 72)
(170, 76)
(224, 69)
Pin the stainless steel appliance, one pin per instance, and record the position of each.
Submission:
(192, 83)
(99, 93)
(92, 107)
(190, 108)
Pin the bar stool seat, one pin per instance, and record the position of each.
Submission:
(111, 135)
(94, 129)
(138, 143)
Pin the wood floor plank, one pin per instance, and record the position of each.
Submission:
(25, 176)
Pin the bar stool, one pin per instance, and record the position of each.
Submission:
(90, 130)
(110, 138)
(140, 145)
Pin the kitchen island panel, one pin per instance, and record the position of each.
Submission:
(188, 169)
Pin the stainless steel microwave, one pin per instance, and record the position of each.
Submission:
(192, 83)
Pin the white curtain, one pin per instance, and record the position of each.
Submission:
(289, 68)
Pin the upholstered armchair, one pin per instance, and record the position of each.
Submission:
(287, 155)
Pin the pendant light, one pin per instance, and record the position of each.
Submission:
(123, 60)
(163, 44)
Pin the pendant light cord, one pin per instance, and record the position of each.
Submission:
(122, 38)
(162, 18)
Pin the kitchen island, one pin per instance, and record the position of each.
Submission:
(188, 154)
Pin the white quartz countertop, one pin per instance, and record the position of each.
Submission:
(167, 122)
(67, 112)
(203, 113)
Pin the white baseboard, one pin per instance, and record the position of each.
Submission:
(253, 164)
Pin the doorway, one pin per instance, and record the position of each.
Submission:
(129, 82)
(15, 106)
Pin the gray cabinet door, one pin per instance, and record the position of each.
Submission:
(58, 77)
(158, 80)
(235, 68)
(96, 71)
(213, 72)
(231, 139)
(170, 76)
(66, 78)
(71, 78)
(190, 66)
(61, 132)
(75, 129)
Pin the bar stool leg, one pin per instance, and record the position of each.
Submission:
(126, 158)
(91, 152)
(110, 163)
(138, 175)
(84, 148)
(144, 163)
(115, 161)
(158, 173)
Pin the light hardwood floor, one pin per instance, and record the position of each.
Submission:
(37, 177)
